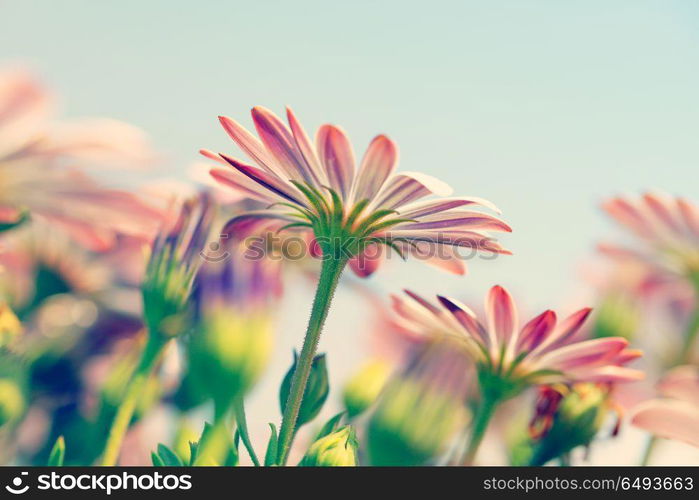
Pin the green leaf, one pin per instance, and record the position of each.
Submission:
(242, 432)
(271, 455)
(58, 453)
(316, 393)
(157, 461)
(356, 211)
(169, 457)
(193, 448)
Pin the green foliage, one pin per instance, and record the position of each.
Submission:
(412, 423)
(58, 453)
(271, 454)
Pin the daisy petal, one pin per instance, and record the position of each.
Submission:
(587, 353)
(502, 314)
(467, 319)
(458, 219)
(306, 148)
(608, 374)
(565, 330)
(378, 164)
(280, 142)
(271, 182)
(536, 330)
(690, 215)
(242, 183)
(429, 207)
(336, 155)
(669, 419)
(251, 145)
(409, 186)
(681, 383)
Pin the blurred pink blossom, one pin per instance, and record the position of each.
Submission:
(676, 416)
(41, 166)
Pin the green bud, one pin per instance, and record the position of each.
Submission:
(576, 422)
(172, 265)
(617, 316)
(365, 386)
(12, 402)
(228, 353)
(316, 393)
(421, 409)
(412, 424)
(165, 303)
(338, 449)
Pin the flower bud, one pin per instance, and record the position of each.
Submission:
(172, 265)
(316, 392)
(364, 387)
(12, 402)
(228, 352)
(233, 325)
(421, 409)
(573, 420)
(337, 449)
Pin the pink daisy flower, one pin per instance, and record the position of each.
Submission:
(544, 350)
(677, 415)
(668, 228)
(317, 188)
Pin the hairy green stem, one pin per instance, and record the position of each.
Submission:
(484, 413)
(327, 282)
(134, 390)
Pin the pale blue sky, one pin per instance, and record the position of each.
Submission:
(543, 107)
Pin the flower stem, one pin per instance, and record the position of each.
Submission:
(481, 419)
(649, 449)
(327, 282)
(137, 383)
(690, 338)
